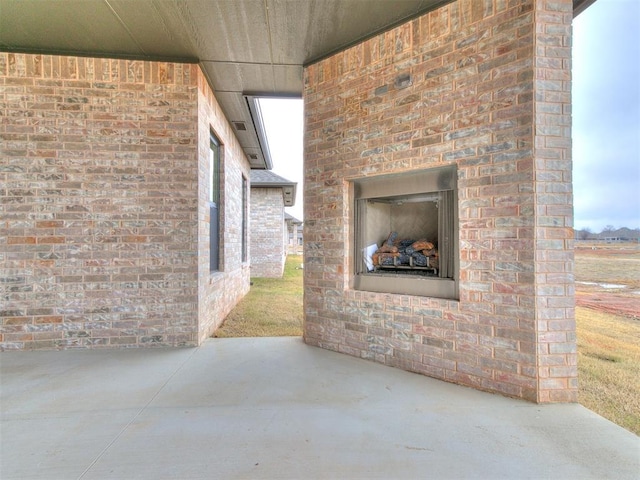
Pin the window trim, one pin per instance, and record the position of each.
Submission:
(215, 196)
(245, 220)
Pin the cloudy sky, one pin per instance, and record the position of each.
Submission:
(606, 115)
(606, 120)
(283, 121)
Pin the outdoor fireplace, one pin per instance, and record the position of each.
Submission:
(405, 233)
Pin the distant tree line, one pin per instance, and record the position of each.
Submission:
(610, 233)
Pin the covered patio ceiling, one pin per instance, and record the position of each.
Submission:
(245, 47)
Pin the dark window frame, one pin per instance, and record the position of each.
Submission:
(245, 219)
(215, 188)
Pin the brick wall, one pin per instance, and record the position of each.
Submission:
(100, 201)
(484, 85)
(294, 235)
(268, 232)
(553, 196)
(219, 292)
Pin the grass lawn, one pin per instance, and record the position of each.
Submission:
(609, 366)
(272, 308)
(608, 341)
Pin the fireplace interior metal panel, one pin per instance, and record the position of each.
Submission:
(419, 205)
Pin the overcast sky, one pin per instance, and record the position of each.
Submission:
(606, 115)
(283, 121)
(606, 120)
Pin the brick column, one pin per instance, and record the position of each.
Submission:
(555, 312)
(484, 86)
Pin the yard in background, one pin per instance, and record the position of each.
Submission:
(608, 329)
(272, 308)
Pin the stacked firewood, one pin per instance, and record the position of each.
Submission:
(406, 252)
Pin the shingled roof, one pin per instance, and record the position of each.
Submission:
(268, 179)
(291, 218)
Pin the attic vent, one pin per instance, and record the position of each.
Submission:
(240, 126)
(253, 156)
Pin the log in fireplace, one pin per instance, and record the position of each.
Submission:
(405, 233)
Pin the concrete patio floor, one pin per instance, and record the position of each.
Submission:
(275, 408)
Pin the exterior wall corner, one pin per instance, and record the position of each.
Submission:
(100, 210)
(468, 84)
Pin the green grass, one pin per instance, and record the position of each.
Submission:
(272, 308)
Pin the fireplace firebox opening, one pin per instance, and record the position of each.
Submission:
(405, 233)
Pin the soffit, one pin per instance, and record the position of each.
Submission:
(243, 46)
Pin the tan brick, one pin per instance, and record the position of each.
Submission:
(108, 194)
(494, 105)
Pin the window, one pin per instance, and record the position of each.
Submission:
(214, 204)
(245, 193)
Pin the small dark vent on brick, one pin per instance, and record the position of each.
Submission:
(240, 126)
